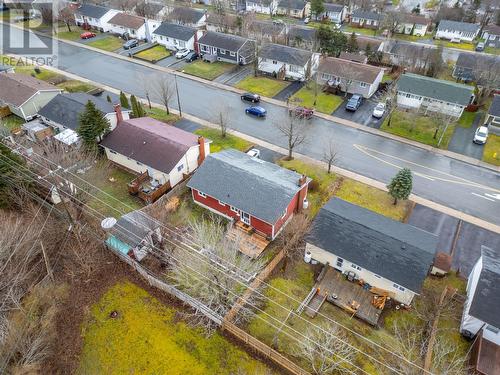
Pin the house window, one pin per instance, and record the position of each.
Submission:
(234, 209)
(180, 167)
(232, 54)
(408, 95)
(203, 195)
(275, 62)
(396, 286)
(362, 84)
(355, 266)
(377, 276)
(112, 152)
(349, 81)
(340, 262)
(204, 48)
(138, 163)
(326, 76)
(222, 51)
(222, 203)
(294, 68)
(492, 329)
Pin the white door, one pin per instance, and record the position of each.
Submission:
(245, 217)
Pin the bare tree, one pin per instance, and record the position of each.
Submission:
(165, 90)
(326, 350)
(295, 131)
(67, 16)
(330, 154)
(290, 239)
(487, 75)
(221, 118)
(218, 276)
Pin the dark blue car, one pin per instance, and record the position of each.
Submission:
(256, 111)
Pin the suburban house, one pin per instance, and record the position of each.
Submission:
(266, 31)
(261, 195)
(350, 77)
(491, 36)
(384, 253)
(262, 6)
(294, 8)
(133, 26)
(145, 145)
(480, 318)
(223, 23)
(284, 62)
(94, 16)
(174, 36)
(25, 95)
(410, 56)
(337, 13)
(365, 42)
(366, 19)
(225, 47)
(412, 24)
(63, 111)
(493, 115)
(301, 37)
(457, 31)
(188, 16)
(470, 67)
(6, 69)
(135, 234)
(435, 95)
(156, 11)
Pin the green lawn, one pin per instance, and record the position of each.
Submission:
(387, 78)
(262, 85)
(74, 34)
(491, 152)
(466, 120)
(161, 115)
(411, 38)
(207, 70)
(219, 143)
(12, 122)
(416, 127)
(325, 103)
(153, 54)
(73, 85)
(109, 43)
(431, 4)
(360, 30)
(115, 185)
(492, 50)
(148, 337)
(463, 45)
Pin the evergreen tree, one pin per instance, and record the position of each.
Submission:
(108, 98)
(124, 100)
(401, 185)
(11, 179)
(92, 126)
(317, 8)
(137, 108)
(352, 44)
(331, 42)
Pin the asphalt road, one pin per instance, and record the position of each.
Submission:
(470, 189)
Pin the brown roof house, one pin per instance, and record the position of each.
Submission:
(162, 154)
(133, 26)
(349, 76)
(25, 95)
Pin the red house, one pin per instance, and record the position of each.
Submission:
(262, 195)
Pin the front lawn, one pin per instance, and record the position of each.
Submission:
(417, 127)
(491, 152)
(325, 103)
(466, 120)
(12, 122)
(492, 50)
(207, 70)
(360, 30)
(74, 34)
(219, 143)
(149, 337)
(465, 46)
(73, 85)
(161, 115)
(108, 43)
(262, 85)
(153, 54)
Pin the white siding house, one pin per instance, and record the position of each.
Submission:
(95, 16)
(174, 36)
(336, 13)
(136, 27)
(262, 6)
(454, 30)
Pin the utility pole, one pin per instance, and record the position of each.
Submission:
(178, 98)
(47, 264)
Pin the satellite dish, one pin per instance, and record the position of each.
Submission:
(108, 223)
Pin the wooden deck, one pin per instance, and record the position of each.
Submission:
(349, 296)
(251, 244)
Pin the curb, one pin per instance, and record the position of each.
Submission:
(336, 120)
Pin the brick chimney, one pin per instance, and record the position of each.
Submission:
(118, 111)
(302, 193)
(201, 156)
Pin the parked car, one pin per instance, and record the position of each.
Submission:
(182, 53)
(379, 110)
(87, 35)
(481, 135)
(256, 111)
(250, 97)
(480, 47)
(354, 103)
(191, 56)
(254, 153)
(302, 112)
(130, 44)
(307, 20)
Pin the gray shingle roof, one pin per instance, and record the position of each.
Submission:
(175, 31)
(366, 14)
(94, 11)
(292, 4)
(259, 188)
(65, 109)
(133, 227)
(186, 15)
(495, 106)
(289, 55)
(304, 33)
(224, 41)
(458, 26)
(334, 8)
(396, 251)
(485, 303)
(349, 69)
(470, 64)
(16, 89)
(435, 88)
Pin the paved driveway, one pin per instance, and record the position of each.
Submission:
(288, 91)
(461, 141)
(362, 116)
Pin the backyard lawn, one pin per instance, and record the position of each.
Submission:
(492, 50)
(74, 85)
(325, 103)
(416, 127)
(161, 115)
(207, 70)
(148, 337)
(466, 120)
(12, 122)
(108, 43)
(262, 85)
(491, 152)
(219, 143)
(153, 54)
(360, 30)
